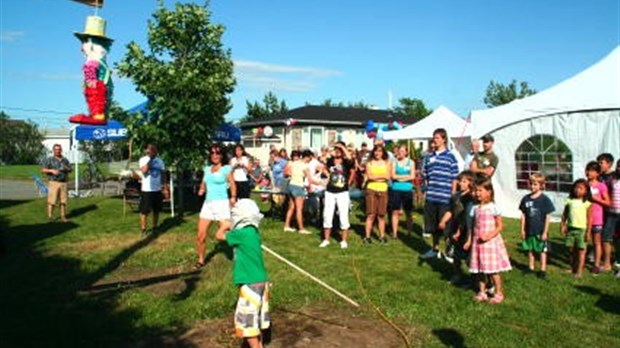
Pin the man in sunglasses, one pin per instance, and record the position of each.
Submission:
(485, 162)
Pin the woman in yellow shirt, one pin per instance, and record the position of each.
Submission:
(378, 171)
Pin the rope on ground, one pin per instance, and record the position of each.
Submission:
(320, 282)
(383, 316)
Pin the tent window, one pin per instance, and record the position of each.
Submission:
(545, 154)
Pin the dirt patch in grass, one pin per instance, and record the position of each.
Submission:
(318, 326)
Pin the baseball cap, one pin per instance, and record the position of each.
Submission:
(487, 138)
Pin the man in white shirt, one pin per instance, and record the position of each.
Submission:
(151, 198)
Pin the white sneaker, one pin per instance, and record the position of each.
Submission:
(323, 244)
(304, 231)
(426, 235)
(343, 244)
(289, 229)
(429, 254)
(448, 258)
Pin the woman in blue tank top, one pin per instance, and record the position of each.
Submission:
(401, 190)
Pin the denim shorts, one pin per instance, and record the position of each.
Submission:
(296, 191)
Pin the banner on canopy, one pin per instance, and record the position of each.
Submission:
(112, 131)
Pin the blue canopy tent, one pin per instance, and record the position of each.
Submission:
(111, 131)
(227, 132)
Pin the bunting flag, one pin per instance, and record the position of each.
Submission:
(93, 3)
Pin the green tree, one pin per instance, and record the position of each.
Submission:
(271, 106)
(187, 75)
(332, 104)
(499, 94)
(20, 141)
(413, 107)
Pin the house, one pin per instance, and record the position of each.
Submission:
(61, 136)
(313, 127)
(555, 132)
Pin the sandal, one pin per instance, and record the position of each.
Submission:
(497, 299)
(199, 265)
(481, 297)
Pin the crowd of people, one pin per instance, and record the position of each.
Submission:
(458, 205)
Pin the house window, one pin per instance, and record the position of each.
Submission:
(331, 136)
(546, 154)
(316, 138)
(296, 140)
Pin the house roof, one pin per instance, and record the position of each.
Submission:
(329, 115)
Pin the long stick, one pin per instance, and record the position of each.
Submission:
(276, 255)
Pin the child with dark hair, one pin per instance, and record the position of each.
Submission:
(536, 209)
(454, 223)
(600, 200)
(576, 225)
(489, 256)
(612, 222)
(612, 212)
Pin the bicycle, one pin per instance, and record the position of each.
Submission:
(92, 175)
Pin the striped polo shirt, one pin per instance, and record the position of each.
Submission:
(440, 171)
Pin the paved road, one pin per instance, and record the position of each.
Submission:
(17, 190)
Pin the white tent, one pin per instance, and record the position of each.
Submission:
(458, 129)
(442, 117)
(556, 132)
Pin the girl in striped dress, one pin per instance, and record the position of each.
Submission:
(488, 252)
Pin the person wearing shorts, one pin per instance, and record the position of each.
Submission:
(401, 191)
(249, 272)
(378, 172)
(536, 209)
(57, 168)
(576, 225)
(297, 169)
(241, 166)
(151, 197)
(217, 180)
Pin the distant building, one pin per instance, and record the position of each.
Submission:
(60, 136)
(314, 127)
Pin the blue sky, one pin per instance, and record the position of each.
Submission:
(443, 52)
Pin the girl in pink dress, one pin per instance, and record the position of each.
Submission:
(488, 252)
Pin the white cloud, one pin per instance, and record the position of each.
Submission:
(10, 35)
(280, 77)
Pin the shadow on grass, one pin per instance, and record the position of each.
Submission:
(450, 338)
(608, 303)
(118, 260)
(42, 305)
(5, 203)
(414, 241)
(73, 213)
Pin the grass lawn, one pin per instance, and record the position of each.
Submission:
(26, 171)
(20, 171)
(96, 280)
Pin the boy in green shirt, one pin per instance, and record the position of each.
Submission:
(249, 273)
